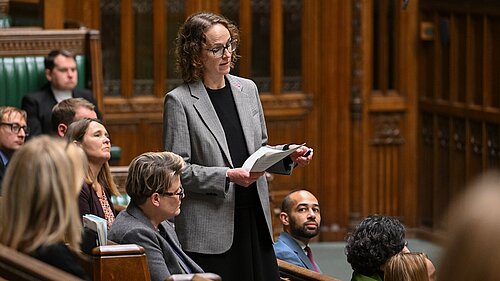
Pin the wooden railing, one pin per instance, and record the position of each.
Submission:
(111, 262)
(292, 272)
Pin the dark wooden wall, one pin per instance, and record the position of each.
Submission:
(401, 106)
(459, 99)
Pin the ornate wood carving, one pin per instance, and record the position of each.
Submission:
(387, 129)
(291, 105)
(4, 7)
(23, 41)
(357, 62)
(492, 142)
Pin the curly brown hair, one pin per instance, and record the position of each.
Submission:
(190, 42)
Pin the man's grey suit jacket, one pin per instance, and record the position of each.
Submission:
(192, 129)
(287, 249)
(133, 227)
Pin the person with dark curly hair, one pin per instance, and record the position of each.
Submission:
(375, 240)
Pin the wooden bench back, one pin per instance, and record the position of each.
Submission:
(291, 272)
(22, 51)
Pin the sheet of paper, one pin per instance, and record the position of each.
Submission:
(265, 157)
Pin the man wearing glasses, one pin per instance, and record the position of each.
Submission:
(13, 132)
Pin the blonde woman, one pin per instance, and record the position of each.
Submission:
(408, 267)
(95, 197)
(40, 213)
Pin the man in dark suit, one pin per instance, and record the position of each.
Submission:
(13, 132)
(62, 77)
(301, 218)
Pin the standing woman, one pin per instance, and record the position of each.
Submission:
(40, 214)
(215, 120)
(95, 197)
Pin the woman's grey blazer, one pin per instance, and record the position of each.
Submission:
(133, 227)
(192, 129)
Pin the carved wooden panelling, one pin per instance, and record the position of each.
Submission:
(16, 43)
(385, 175)
(493, 145)
(459, 94)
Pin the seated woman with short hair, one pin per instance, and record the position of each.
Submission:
(40, 211)
(154, 186)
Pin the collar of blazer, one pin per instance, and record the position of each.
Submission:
(245, 105)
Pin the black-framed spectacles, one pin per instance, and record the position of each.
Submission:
(219, 51)
(15, 127)
(180, 193)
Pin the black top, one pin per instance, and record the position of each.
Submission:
(223, 102)
(60, 256)
(225, 107)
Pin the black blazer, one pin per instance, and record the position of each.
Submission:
(89, 203)
(60, 256)
(38, 106)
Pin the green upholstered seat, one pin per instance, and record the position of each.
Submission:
(4, 21)
(25, 74)
(22, 52)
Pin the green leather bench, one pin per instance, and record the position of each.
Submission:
(4, 21)
(22, 51)
(24, 74)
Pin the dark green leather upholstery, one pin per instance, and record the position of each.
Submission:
(22, 75)
(4, 21)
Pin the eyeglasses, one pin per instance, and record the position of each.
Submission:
(15, 127)
(219, 51)
(180, 193)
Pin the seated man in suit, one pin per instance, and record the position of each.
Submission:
(154, 186)
(301, 218)
(68, 111)
(62, 76)
(13, 133)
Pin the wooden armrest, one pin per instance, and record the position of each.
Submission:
(293, 272)
(194, 277)
(118, 249)
(119, 262)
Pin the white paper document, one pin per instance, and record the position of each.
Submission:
(265, 157)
